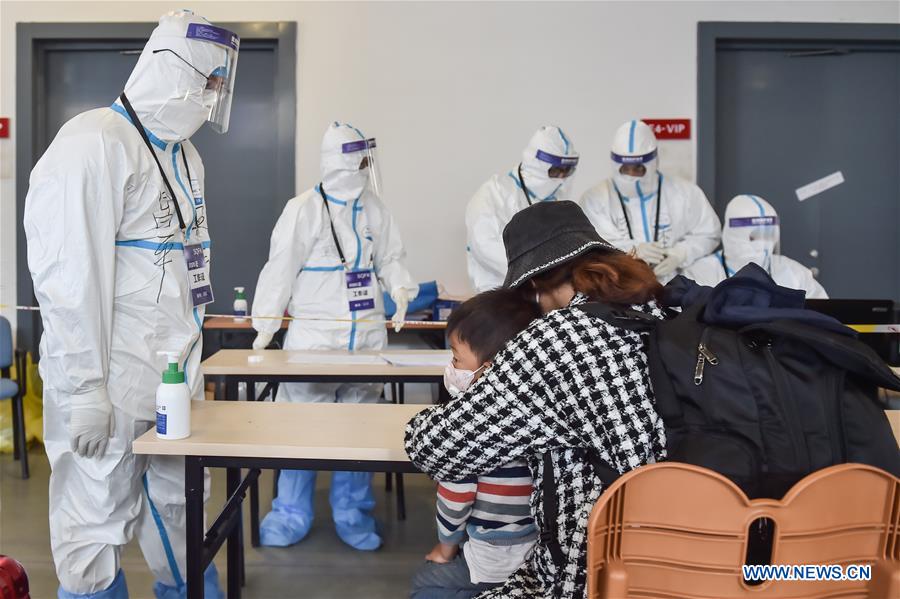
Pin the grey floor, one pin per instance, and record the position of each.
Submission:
(320, 567)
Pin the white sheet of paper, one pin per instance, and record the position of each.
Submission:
(432, 358)
(323, 358)
(820, 185)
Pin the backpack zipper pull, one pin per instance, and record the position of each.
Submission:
(707, 353)
(704, 354)
(698, 369)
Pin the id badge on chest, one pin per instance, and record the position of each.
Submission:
(361, 290)
(198, 275)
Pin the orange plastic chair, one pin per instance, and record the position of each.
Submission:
(676, 531)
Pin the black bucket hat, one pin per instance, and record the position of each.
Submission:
(545, 235)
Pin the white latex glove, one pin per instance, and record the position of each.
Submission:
(90, 425)
(673, 261)
(650, 252)
(262, 340)
(401, 297)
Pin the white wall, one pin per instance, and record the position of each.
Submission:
(454, 90)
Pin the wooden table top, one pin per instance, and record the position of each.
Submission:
(281, 362)
(228, 323)
(369, 432)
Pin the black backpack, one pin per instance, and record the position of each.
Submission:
(764, 404)
(769, 403)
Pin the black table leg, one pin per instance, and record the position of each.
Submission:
(401, 497)
(231, 388)
(254, 515)
(16, 406)
(235, 553)
(254, 488)
(193, 492)
(389, 476)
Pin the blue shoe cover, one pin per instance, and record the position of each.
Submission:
(283, 529)
(292, 511)
(351, 501)
(117, 590)
(211, 588)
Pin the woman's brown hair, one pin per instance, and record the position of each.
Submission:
(605, 276)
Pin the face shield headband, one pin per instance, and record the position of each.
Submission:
(644, 159)
(560, 166)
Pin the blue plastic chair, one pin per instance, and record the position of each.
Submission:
(15, 392)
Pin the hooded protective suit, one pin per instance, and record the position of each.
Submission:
(752, 234)
(627, 212)
(545, 173)
(105, 251)
(306, 275)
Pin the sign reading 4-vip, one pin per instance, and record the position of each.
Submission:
(670, 128)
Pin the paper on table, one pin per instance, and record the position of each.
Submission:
(432, 358)
(335, 358)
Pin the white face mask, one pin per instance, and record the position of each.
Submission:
(185, 114)
(457, 381)
(346, 184)
(635, 187)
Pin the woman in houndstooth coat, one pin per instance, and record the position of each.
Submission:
(569, 384)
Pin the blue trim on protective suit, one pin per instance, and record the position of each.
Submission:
(565, 140)
(335, 200)
(530, 193)
(358, 132)
(185, 190)
(117, 590)
(762, 211)
(322, 268)
(644, 200)
(164, 537)
(631, 137)
(356, 209)
(157, 245)
(721, 257)
(153, 139)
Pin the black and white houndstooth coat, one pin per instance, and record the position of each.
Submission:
(567, 383)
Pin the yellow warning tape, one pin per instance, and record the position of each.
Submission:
(433, 323)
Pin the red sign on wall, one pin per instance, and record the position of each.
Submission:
(4, 127)
(670, 128)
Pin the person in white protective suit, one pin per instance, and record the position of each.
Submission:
(115, 207)
(666, 221)
(331, 250)
(545, 173)
(752, 234)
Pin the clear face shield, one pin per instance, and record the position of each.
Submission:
(365, 150)
(752, 238)
(559, 167)
(219, 88)
(632, 166)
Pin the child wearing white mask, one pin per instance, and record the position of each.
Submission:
(493, 510)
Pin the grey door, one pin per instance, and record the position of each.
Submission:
(788, 114)
(246, 182)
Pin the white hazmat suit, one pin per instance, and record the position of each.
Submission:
(545, 173)
(668, 234)
(106, 254)
(752, 234)
(306, 275)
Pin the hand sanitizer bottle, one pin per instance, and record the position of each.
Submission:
(173, 402)
(240, 304)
